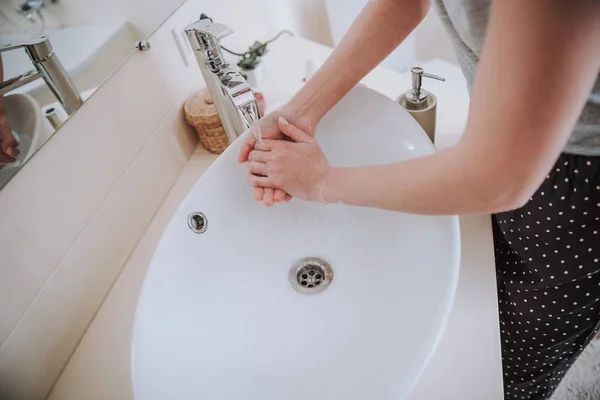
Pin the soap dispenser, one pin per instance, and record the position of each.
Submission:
(420, 103)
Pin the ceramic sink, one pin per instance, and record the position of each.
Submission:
(30, 127)
(223, 314)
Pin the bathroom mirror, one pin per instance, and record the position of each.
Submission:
(90, 39)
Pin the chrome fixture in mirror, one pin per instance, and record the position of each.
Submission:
(47, 66)
(53, 55)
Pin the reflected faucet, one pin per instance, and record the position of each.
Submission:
(47, 66)
(230, 92)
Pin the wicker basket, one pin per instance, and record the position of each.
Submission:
(201, 113)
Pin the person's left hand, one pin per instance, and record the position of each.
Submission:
(299, 168)
(9, 149)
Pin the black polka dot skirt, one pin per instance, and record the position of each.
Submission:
(548, 274)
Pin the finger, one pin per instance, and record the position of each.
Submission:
(260, 156)
(268, 197)
(258, 168)
(9, 143)
(293, 132)
(5, 158)
(13, 151)
(260, 181)
(278, 196)
(287, 198)
(258, 193)
(247, 147)
(7, 140)
(269, 144)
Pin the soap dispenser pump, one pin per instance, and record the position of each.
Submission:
(420, 103)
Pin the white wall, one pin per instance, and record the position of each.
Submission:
(145, 18)
(258, 19)
(433, 41)
(261, 19)
(307, 18)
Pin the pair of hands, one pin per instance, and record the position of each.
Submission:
(9, 150)
(287, 162)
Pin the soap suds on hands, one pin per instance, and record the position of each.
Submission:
(257, 131)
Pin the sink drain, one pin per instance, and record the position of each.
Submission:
(197, 222)
(311, 275)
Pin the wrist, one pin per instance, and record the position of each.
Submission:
(304, 113)
(327, 189)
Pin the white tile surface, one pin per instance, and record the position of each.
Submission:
(465, 365)
(68, 301)
(74, 214)
(50, 201)
(99, 369)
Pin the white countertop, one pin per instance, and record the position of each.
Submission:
(466, 363)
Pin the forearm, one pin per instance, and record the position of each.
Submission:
(2, 106)
(377, 31)
(446, 183)
(508, 146)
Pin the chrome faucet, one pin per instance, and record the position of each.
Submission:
(230, 92)
(47, 66)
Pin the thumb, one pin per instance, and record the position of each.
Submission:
(293, 132)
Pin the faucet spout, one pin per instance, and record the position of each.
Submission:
(47, 66)
(231, 94)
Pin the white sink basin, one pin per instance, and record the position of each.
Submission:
(218, 318)
(32, 129)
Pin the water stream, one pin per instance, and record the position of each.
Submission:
(251, 115)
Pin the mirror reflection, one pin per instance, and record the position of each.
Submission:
(53, 55)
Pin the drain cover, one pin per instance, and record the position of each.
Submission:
(197, 222)
(311, 275)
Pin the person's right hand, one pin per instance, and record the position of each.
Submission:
(269, 127)
(8, 145)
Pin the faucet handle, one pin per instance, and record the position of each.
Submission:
(204, 34)
(29, 42)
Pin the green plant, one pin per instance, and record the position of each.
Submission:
(251, 58)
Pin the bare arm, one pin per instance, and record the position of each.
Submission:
(539, 63)
(8, 144)
(377, 31)
(2, 106)
(539, 50)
